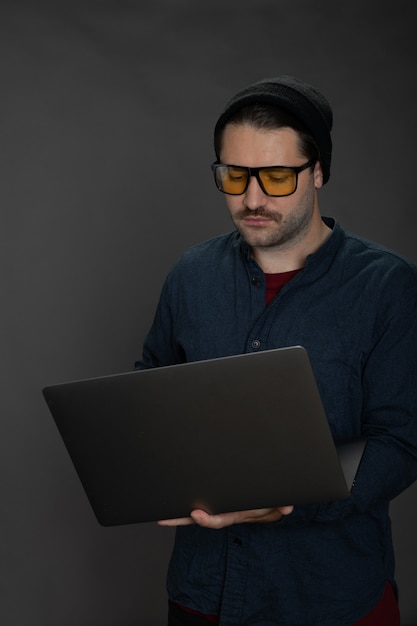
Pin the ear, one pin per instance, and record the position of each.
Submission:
(318, 175)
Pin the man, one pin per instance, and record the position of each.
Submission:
(287, 276)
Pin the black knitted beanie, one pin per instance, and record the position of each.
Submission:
(304, 101)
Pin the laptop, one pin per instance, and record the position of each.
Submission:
(227, 434)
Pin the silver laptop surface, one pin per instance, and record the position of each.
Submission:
(228, 434)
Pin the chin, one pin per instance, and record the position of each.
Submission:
(260, 240)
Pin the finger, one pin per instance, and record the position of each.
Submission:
(178, 521)
(262, 515)
(222, 520)
(286, 510)
(238, 517)
(214, 521)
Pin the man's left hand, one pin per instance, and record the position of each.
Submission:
(222, 520)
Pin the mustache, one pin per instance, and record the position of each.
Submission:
(259, 213)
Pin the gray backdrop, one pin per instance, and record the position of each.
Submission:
(107, 110)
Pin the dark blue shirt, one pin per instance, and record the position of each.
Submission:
(354, 308)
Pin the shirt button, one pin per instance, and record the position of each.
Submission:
(256, 281)
(237, 541)
(256, 344)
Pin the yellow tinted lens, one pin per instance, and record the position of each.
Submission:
(232, 179)
(278, 181)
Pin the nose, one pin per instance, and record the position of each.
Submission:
(255, 198)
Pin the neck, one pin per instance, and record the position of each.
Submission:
(291, 255)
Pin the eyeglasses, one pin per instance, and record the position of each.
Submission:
(275, 180)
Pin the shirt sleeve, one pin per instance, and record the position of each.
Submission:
(389, 416)
(160, 347)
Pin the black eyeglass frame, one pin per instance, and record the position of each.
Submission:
(254, 171)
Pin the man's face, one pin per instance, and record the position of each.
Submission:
(267, 221)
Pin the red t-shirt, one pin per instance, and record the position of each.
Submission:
(275, 282)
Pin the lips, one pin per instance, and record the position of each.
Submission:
(257, 221)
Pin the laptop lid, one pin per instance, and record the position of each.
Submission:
(227, 434)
